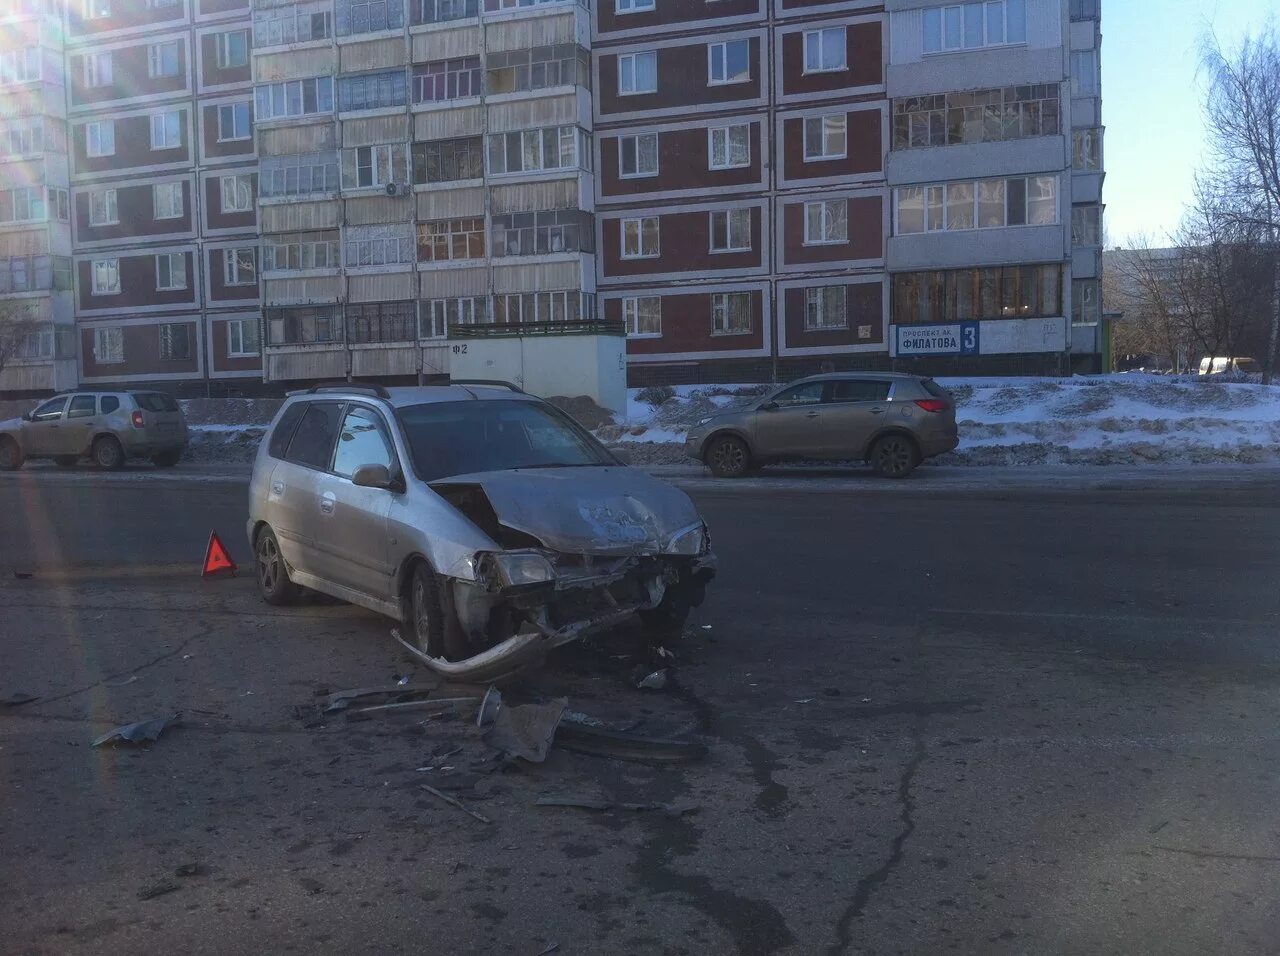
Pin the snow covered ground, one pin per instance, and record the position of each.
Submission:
(1128, 419)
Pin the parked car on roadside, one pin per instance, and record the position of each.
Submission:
(487, 521)
(891, 420)
(1236, 367)
(109, 427)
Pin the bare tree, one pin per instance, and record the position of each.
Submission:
(16, 327)
(1243, 117)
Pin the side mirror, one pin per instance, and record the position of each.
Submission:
(622, 454)
(768, 406)
(372, 476)
(26, 416)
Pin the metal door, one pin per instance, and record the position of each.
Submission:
(790, 425)
(42, 434)
(856, 409)
(295, 511)
(78, 425)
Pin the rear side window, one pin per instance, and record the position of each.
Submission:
(284, 429)
(934, 389)
(82, 406)
(109, 404)
(859, 391)
(312, 443)
(156, 402)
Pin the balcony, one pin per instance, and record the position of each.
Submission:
(438, 83)
(285, 26)
(423, 12)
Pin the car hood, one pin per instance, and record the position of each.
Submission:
(11, 424)
(600, 510)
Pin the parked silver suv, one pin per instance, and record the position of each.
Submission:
(487, 521)
(891, 420)
(109, 427)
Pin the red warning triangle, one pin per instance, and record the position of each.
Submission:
(216, 558)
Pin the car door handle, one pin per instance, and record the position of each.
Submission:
(811, 415)
(326, 504)
(877, 411)
(277, 487)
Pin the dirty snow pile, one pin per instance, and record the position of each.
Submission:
(1101, 420)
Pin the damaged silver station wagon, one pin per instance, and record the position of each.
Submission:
(487, 521)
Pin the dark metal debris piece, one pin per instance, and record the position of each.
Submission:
(22, 575)
(157, 889)
(17, 700)
(673, 810)
(585, 739)
(550, 948)
(655, 681)
(456, 803)
(343, 698)
(142, 731)
(526, 731)
(489, 707)
(437, 705)
(121, 681)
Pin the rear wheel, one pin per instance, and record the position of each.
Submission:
(167, 459)
(894, 456)
(66, 461)
(273, 577)
(107, 453)
(728, 457)
(10, 455)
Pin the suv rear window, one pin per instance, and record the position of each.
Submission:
(934, 389)
(109, 404)
(284, 429)
(155, 402)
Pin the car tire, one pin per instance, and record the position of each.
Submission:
(166, 459)
(107, 453)
(894, 456)
(728, 457)
(10, 455)
(424, 617)
(273, 576)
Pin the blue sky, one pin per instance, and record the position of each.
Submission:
(1151, 106)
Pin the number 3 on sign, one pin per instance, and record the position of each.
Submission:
(969, 338)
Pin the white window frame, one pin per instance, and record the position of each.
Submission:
(162, 330)
(224, 50)
(103, 208)
(731, 216)
(238, 188)
(718, 56)
(93, 138)
(815, 308)
(175, 200)
(21, 65)
(1084, 73)
(382, 164)
(622, 7)
(829, 123)
(170, 285)
(993, 19)
(937, 195)
(721, 313)
(155, 58)
(631, 316)
(232, 274)
(105, 276)
(97, 9)
(724, 133)
(97, 69)
(627, 65)
(232, 109)
(820, 37)
(108, 345)
(160, 130)
(236, 338)
(826, 221)
(635, 228)
(635, 140)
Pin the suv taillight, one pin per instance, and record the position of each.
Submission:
(138, 420)
(932, 404)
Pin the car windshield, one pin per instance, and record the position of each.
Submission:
(459, 438)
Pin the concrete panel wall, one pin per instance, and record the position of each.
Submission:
(977, 160)
(983, 247)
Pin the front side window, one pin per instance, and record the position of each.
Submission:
(810, 393)
(731, 313)
(108, 346)
(239, 266)
(826, 221)
(242, 338)
(824, 137)
(106, 276)
(825, 50)
(103, 210)
(237, 193)
(234, 122)
(638, 155)
(175, 341)
(164, 59)
(166, 130)
(729, 147)
(826, 307)
(50, 411)
(640, 238)
(233, 49)
(100, 138)
(642, 316)
(166, 200)
(731, 230)
(729, 62)
(171, 271)
(638, 73)
(312, 443)
(362, 441)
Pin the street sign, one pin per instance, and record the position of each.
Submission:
(959, 338)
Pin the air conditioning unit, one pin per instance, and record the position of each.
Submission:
(397, 189)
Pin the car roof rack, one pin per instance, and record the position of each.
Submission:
(377, 390)
(496, 383)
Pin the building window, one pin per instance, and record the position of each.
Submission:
(825, 50)
(368, 166)
(447, 80)
(1086, 149)
(378, 251)
(555, 147)
(23, 136)
(233, 49)
(439, 315)
(166, 130)
(826, 222)
(637, 73)
(175, 341)
(239, 266)
(300, 252)
(97, 9)
(1086, 225)
(164, 59)
(527, 307)
(731, 230)
(728, 62)
(1084, 9)
(729, 147)
(102, 208)
(166, 201)
(108, 345)
(442, 11)
(373, 91)
(234, 122)
(642, 316)
(299, 174)
(971, 26)
(986, 204)
(369, 16)
(446, 239)
(62, 204)
(1084, 72)
(236, 193)
(106, 276)
(24, 204)
(303, 325)
(537, 68)
(976, 116)
(632, 6)
(289, 24)
(242, 338)
(542, 233)
(826, 307)
(640, 238)
(638, 155)
(381, 322)
(100, 138)
(731, 313)
(97, 69)
(1010, 292)
(1086, 302)
(294, 98)
(824, 137)
(23, 66)
(171, 271)
(448, 160)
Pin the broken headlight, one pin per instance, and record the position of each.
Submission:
(691, 541)
(521, 567)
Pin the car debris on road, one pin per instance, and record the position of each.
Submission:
(142, 731)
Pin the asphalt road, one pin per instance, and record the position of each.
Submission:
(996, 720)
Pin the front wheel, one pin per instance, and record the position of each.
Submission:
(729, 457)
(894, 456)
(107, 453)
(273, 577)
(10, 455)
